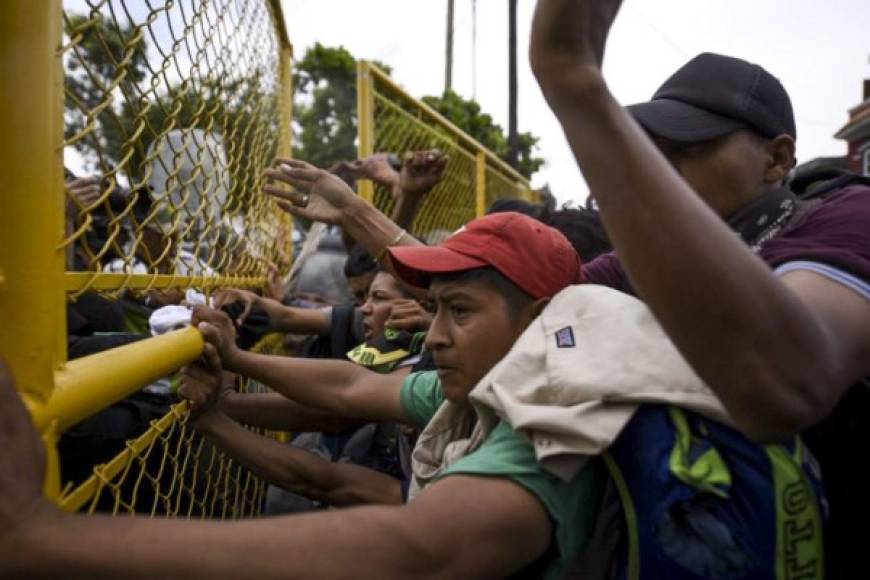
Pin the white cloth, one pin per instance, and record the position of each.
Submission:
(452, 433)
(193, 298)
(168, 318)
(576, 376)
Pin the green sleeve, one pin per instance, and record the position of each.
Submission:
(572, 505)
(421, 396)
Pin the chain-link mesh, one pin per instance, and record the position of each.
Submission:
(174, 107)
(401, 124)
(171, 470)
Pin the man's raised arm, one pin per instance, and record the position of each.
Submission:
(778, 352)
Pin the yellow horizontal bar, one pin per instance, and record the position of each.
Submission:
(75, 499)
(92, 383)
(76, 281)
(384, 79)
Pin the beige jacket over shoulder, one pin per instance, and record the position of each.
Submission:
(577, 375)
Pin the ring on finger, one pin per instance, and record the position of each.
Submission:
(303, 200)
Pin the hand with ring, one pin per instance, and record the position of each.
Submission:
(317, 195)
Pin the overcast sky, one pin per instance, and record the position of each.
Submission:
(819, 50)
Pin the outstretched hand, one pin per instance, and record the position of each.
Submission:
(22, 462)
(317, 195)
(569, 35)
(376, 167)
(421, 171)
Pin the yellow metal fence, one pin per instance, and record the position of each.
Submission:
(392, 121)
(175, 108)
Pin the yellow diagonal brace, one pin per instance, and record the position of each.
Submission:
(90, 384)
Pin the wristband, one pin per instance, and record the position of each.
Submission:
(392, 242)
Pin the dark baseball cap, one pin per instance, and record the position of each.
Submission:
(537, 258)
(713, 95)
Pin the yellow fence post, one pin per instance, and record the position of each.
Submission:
(32, 300)
(285, 104)
(480, 183)
(33, 332)
(365, 122)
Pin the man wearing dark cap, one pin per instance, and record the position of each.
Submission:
(774, 318)
(482, 507)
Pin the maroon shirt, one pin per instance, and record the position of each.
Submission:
(837, 233)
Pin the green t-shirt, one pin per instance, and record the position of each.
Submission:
(572, 505)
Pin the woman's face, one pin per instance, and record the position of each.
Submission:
(383, 293)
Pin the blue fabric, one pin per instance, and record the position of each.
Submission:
(685, 533)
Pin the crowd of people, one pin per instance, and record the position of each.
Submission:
(669, 386)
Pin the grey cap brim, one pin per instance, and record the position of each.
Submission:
(679, 121)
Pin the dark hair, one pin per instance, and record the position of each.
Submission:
(583, 228)
(515, 297)
(359, 262)
(403, 289)
(534, 210)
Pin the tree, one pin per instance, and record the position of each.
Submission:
(325, 105)
(89, 72)
(467, 115)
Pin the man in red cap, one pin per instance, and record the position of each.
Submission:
(483, 506)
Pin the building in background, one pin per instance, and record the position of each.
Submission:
(857, 134)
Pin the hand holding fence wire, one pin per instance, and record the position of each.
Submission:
(229, 296)
(217, 329)
(378, 168)
(83, 190)
(421, 171)
(203, 383)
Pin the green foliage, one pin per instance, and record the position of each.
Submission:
(89, 72)
(467, 115)
(325, 105)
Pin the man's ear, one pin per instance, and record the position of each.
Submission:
(780, 158)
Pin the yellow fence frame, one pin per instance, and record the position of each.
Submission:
(33, 281)
(370, 78)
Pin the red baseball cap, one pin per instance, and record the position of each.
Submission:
(532, 255)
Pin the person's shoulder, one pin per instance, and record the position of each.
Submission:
(850, 203)
(606, 270)
(835, 233)
(421, 396)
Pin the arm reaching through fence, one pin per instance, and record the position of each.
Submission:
(321, 196)
(503, 528)
(421, 172)
(284, 318)
(339, 387)
(298, 470)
